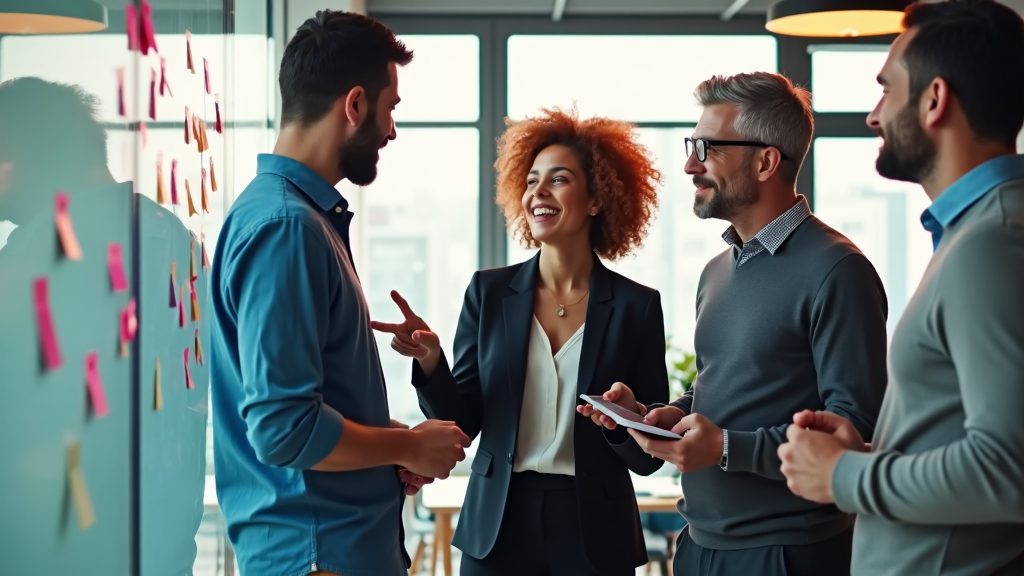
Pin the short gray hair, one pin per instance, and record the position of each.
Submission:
(771, 110)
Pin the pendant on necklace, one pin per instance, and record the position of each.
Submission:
(561, 311)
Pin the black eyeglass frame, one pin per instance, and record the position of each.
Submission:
(702, 151)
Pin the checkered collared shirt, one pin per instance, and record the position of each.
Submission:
(770, 237)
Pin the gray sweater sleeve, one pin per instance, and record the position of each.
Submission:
(848, 342)
(980, 477)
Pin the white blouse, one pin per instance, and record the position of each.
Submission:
(549, 405)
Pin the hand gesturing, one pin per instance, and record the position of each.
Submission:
(412, 337)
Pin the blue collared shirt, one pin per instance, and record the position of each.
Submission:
(970, 188)
(292, 358)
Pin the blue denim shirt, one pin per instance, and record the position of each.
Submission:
(292, 357)
(956, 199)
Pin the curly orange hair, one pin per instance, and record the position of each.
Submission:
(619, 173)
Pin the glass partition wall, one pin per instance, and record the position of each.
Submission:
(120, 153)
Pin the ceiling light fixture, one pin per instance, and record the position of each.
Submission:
(51, 16)
(836, 18)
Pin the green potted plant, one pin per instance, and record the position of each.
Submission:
(682, 369)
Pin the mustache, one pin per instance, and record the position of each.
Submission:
(701, 182)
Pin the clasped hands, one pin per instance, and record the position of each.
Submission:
(701, 443)
(816, 442)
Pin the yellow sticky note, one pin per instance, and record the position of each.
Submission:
(191, 207)
(79, 492)
(158, 395)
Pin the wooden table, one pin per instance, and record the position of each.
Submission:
(444, 499)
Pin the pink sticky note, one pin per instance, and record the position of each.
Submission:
(181, 306)
(131, 25)
(206, 73)
(142, 132)
(118, 282)
(95, 384)
(120, 93)
(129, 322)
(147, 40)
(174, 178)
(152, 94)
(188, 375)
(44, 323)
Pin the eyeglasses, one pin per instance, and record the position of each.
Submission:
(700, 146)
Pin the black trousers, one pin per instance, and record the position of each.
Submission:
(826, 558)
(539, 534)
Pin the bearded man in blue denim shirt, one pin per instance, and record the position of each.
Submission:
(311, 470)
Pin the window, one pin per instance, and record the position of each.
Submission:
(625, 77)
(442, 83)
(843, 78)
(416, 228)
(883, 217)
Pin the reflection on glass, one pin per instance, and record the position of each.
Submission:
(416, 231)
(678, 245)
(442, 83)
(882, 217)
(99, 158)
(844, 80)
(625, 77)
(62, 512)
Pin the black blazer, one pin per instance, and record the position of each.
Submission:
(624, 340)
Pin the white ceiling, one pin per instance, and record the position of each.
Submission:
(572, 7)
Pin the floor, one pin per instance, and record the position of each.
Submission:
(209, 553)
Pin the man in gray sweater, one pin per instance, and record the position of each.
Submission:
(790, 317)
(941, 491)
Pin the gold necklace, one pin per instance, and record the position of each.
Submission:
(561, 307)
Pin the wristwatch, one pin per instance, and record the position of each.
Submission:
(724, 464)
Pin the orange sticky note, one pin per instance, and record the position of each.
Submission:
(158, 395)
(188, 132)
(65, 231)
(213, 177)
(196, 134)
(195, 301)
(79, 492)
(192, 261)
(205, 197)
(142, 132)
(199, 350)
(188, 375)
(188, 56)
(97, 396)
(173, 289)
(181, 305)
(206, 259)
(203, 142)
(191, 207)
(161, 192)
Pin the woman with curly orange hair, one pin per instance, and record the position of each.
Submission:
(549, 492)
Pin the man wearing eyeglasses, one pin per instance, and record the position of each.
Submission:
(790, 317)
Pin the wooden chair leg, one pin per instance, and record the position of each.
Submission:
(435, 546)
(417, 559)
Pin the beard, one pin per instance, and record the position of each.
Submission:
(726, 200)
(357, 158)
(907, 154)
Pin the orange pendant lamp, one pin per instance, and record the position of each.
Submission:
(51, 16)
(836, 18)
